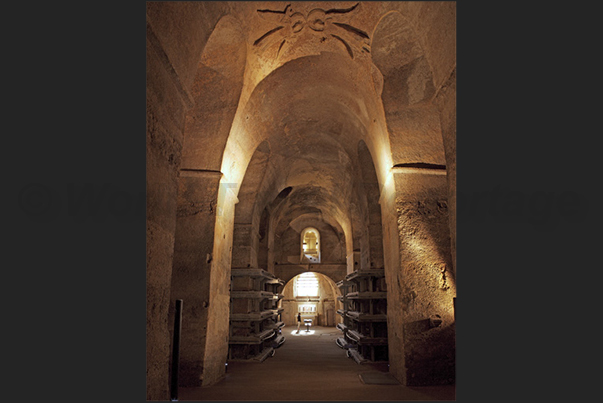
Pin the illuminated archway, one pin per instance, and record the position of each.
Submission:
(310, 245)
(314, 296)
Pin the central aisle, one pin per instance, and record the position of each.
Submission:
(308, 366)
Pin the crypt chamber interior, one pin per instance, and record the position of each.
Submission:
(300, 158)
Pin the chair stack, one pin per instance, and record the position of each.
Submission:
(364, 297)
(255, 315)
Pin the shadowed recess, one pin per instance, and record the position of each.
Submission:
(423, 165)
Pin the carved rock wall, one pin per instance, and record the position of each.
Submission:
(446, 103)
(165, 116)
(426, 282)
(216, 350)
(176, 34)
(193, 255)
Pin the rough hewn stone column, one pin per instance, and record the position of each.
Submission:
(176, 35)
(424, 286)
(193, 254)
(218, 315)
(243, 252)
(446, 103)
(166, 106)
(201, 274)
(376, 244)
(271, 255)
(391, 261)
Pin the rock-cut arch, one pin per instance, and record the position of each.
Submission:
(408, 88)
(326, 303)
(216, 91)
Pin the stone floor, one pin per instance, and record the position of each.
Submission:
(309, 366)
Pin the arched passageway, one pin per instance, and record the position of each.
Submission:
(265, 119)
(314, 296)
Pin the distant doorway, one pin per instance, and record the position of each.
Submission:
(314, 296)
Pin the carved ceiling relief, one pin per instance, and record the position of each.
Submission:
(325, 25)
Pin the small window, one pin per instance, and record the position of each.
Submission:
(310, 246)
(306, 285)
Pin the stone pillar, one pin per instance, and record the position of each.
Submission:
(218, 315)
(193, 255)
(359, 262)
(262, 240)
(423, 288)
(176, 35)
(201, 274)
(376, 244)
(446, 103)
(241, 248)
(245, 246)
(271, 255)
(391, 262)
(167, 103)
